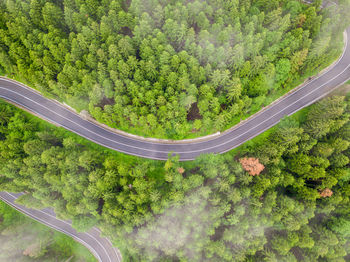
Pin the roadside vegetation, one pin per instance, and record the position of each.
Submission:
(283, 196)
(177, 69)
(25, 240)
(168, 69)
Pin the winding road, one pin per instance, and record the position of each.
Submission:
(99, 246)
(60, 115)
(301, 97)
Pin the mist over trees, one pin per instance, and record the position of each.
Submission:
(295, 209)
(25, 240)
(166, 68)
(173, 69)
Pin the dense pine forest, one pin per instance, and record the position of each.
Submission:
(282, 197)
(168, 69)
(179, 69)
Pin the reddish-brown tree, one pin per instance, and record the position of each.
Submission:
(181, 170)
(326, 192)
(252, 165)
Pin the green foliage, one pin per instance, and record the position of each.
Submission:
(83, 223)
(167, 69)
(24, 239)
(209, 209)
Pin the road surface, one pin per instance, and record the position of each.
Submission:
(100, 247)
(60, 115)
(52, 111)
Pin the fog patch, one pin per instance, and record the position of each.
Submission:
(188, 231)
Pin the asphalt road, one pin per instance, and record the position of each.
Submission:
(261, 121)
(99, 246)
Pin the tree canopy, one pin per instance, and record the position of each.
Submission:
(169, 69)
(210, 209)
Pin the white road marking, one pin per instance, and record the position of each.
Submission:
(52, 226)
(159, 151)
(176, 152)
(278, 112)
(117, 252)
(164, 143)
(67, 119)
(88, 138)
(65, 222)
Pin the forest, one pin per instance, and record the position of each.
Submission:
(284, 196)
(178, 69)
(25, 240)
(168, 69)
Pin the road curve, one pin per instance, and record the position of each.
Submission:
(54, 112)
(99, 246)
